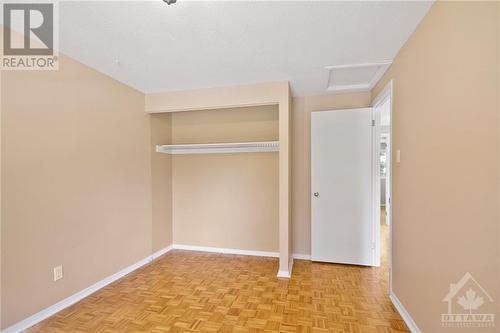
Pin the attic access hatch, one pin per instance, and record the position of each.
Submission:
(356, 77)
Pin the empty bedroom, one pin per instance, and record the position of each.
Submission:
(249, 166)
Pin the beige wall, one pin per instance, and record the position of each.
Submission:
(75, 183)
(301, 143)
(161, 185)
(226, 200)
(1, 186)
(445, 190)
(257, 123)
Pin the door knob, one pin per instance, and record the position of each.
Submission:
(316, 194)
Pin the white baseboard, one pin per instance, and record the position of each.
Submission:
(53, 309)
(161, 252)
(281, 273)
(286, 273)
(301, 256)
(225, 250)
(404, 314)
(237, 251)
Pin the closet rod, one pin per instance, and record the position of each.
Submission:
(220, 148)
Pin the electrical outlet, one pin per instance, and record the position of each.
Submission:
(58, 273)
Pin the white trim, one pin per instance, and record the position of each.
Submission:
(383, 95)
(376, 241)
(366, 64)
(286, 273)
(226, 250)
(352, 88)
(161, 252)
(220, 148)
(281, 273)
(404, 314)
(61, 305)
(387, 93)
(301, 256)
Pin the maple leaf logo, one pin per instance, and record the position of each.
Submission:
(470, 301)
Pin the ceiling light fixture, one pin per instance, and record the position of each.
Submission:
(169, 2)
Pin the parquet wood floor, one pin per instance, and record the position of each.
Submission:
(201, 292)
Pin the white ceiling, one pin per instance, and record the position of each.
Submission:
(155, 47)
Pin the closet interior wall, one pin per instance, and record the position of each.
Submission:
(161, 185)
(228, 200)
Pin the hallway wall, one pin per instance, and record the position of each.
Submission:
(446, 124)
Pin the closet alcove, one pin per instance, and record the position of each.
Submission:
(225, 178)
(220, 170)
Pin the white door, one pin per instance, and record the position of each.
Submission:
(342, 229)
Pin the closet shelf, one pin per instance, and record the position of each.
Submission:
(220, 148)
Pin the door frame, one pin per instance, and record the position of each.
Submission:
(384, 95)
(376, 241)
(388, 179)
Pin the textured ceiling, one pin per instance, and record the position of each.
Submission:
(154, 47)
